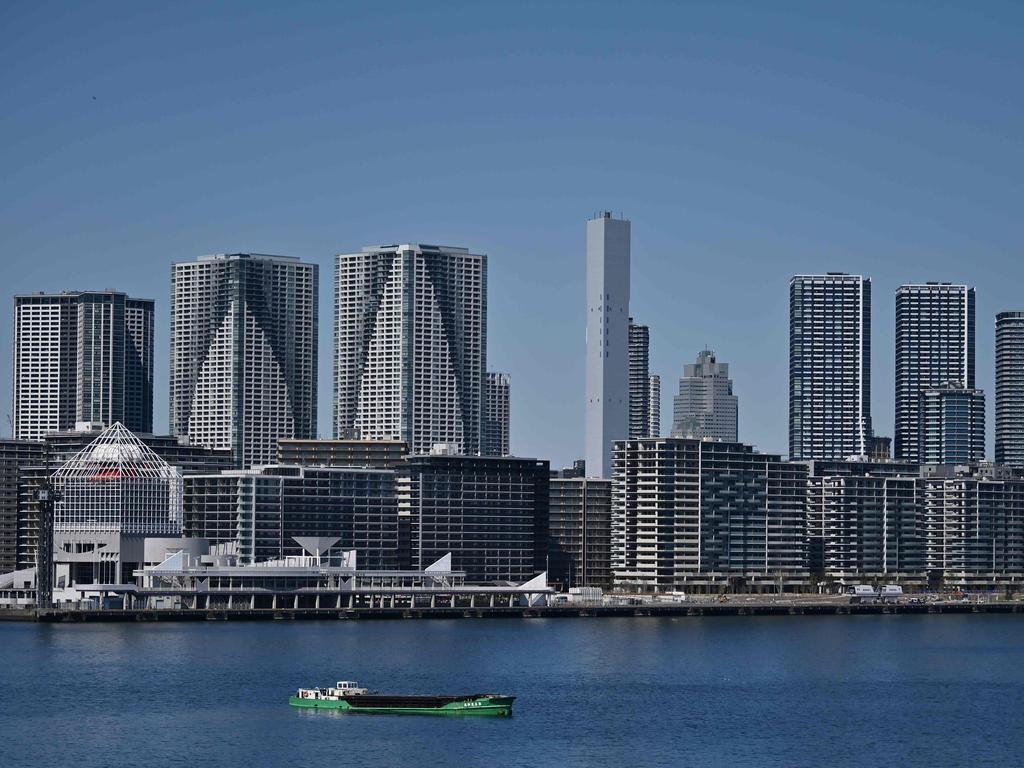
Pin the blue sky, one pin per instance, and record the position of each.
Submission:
(746, 142)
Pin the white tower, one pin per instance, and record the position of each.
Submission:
(607, 411)
(244, 352)
(410, 345)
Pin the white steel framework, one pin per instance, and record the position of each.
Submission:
(118, 484)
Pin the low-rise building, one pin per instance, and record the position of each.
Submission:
(384, 454)
(491, 513)
(264, 509)
(108, 499)
(60, 447)
(705, 515)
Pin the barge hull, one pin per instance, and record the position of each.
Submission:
(412, 705)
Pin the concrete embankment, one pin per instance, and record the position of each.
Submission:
(737, 608)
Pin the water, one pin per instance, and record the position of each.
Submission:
(791, 691)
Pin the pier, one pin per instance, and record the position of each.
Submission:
(739, 607)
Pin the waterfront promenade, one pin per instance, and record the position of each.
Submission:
(735, 605)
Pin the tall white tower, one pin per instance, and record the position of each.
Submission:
(410, 345)
(82, 356)
(244, 352)
(607, 412)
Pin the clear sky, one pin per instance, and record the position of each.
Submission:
(746, 142)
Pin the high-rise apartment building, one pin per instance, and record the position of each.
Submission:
(1010, 389)
(952, 425)
(410, 345)
(607, 360)
(654, 405)
(639, 380)
(81, 356)
(496, 428)
(934, 347)
(244, 353)
(580, 532)
(14, 454)
(829, 366)
(138, 366)
(705, 405)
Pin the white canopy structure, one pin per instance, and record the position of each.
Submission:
(118, 484)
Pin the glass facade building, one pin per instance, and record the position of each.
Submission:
(829, 366)
(934, 348)
(1009, 432)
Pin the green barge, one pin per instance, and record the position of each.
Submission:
(347, 696)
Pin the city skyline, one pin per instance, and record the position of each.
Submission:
(880, 399)
(661, 317)
(887, 150)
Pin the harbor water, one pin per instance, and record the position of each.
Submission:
(786, 691)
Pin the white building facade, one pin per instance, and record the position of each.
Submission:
(244, 353)
(410, 345)
(110, 497)
(81, 356)
(607, 359)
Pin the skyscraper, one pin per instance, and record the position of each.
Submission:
(607, 383)
(829, 366)
(934, 347)
(82, 356)
(639, 380)
(138, 365)
(654, 405)
(952, 425)
(705, 405)
(1010, 389)
(496, 419)
(244, 352)
(410, 345)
